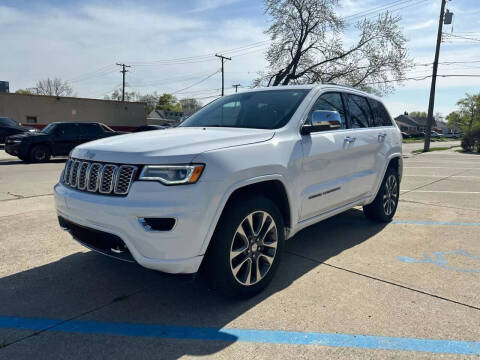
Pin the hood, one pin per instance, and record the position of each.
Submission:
(26, 134)
(176, 145)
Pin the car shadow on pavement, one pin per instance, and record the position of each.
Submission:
(88, 286)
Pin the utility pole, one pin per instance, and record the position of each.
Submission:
(236, 87)
(431, 102)
(123, 71)
(222, 59)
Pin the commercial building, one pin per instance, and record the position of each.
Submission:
(39, 110)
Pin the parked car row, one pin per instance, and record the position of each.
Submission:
(433, 134)
(56, 139)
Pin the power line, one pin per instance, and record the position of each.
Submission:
(198, 82)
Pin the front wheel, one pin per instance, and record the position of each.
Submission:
(384, 206)
(40, 153)
(246, 247)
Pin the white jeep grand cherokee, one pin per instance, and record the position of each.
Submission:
(225, 189)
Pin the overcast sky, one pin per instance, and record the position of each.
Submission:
(81, 41)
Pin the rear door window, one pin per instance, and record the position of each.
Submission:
(380, 114)
(68, 131)
(359, 111)
(91, 130)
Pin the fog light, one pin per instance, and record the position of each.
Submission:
(157, 224)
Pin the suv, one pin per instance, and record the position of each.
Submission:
(225, 189)
(56, 139)
(9, 127)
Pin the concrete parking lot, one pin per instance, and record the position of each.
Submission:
(347, 288)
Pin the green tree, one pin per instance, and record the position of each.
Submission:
(469, 108)
(168, 102)
(455, 120)
(418, 114)
(24, 91)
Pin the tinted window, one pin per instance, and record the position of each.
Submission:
(258, 110)
(67, 130)
(90, 129)
(380, 114)
(359, 111)
(331, 102)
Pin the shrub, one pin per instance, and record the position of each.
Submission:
(471, 140)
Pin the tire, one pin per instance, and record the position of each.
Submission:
(383, 208)
(39, 153)
(231, 275)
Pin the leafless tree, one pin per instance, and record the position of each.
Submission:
(308, 46)
(55, 87)
(190, 105)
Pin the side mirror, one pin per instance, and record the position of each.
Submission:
(323, 120)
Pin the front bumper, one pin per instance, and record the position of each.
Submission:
(179, 250)
(12, 149)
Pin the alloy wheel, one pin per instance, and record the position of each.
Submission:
(390, 195)
(253, 248)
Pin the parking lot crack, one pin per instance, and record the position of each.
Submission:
(433, 182)
(386, 281)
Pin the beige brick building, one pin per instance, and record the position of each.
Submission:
(39, 110)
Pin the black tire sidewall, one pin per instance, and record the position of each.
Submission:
(218, 256)
(376, 210)
(38, 148)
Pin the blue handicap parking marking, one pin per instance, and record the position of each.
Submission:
(244, 335)
(440, 259)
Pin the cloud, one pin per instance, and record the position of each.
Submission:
(71, 42)
(420, 26)
(204, 5)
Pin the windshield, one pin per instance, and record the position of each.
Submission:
(48, 129)
(5, 121)
(270, 109)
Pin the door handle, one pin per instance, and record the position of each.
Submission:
(381, 136)
(350, 139)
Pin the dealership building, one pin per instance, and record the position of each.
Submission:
(39, 111)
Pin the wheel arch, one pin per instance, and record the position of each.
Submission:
(271, 186)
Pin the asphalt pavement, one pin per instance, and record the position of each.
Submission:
(347, 288)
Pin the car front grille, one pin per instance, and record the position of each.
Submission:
(95, 177)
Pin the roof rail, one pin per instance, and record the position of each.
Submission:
(345, 86)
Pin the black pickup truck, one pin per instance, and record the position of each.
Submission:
(56, 139)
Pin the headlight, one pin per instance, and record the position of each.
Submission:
(16, 141)
(172, 174)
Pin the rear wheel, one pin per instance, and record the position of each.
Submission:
(40, 153)
(384, 206)
(246, 248)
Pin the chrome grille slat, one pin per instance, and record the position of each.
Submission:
(82, 175)
(74, 173)
(66, 172)
(94, 177)
(107, 178)
(124, 179)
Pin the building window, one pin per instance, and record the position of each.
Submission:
(31, 119)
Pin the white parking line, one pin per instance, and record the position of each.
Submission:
(450, 177)
(440, 167)
(442, 191)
